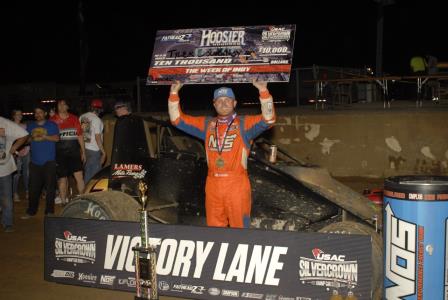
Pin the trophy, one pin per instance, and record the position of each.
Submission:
(145, 254)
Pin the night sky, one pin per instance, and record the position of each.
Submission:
(40, 41)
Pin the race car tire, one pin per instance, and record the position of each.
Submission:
(107, 205)
(349, 227)
(118, 206)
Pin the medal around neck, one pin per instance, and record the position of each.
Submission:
(220, 162)
(220, 143)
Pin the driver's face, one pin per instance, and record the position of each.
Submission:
(224, 106)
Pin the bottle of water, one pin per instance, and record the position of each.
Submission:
(351, 296)
(336, 296)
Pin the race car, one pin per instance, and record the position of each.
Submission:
(287, 194)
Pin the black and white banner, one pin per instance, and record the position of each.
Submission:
(210, 263)
(222, 55)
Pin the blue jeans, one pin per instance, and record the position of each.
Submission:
(6, 199)
(23, 169)
(93, 164)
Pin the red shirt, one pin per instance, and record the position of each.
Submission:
(69, 130)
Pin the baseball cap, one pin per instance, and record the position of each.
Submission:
(223, 92)
(96, 103)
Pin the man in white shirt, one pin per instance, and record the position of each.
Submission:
(12, 136)
(92, 128)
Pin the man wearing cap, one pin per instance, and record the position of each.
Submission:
(92, 129)
(228, 138)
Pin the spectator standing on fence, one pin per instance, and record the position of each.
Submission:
(432, 64)
(418, 65)
(92, 128)
(433, 83)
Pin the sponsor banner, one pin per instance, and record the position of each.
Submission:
(222, 55)
(210, 263)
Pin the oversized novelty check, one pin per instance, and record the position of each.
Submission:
(222, 55)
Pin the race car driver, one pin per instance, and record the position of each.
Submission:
(227, 138)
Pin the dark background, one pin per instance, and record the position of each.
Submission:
(40, 40)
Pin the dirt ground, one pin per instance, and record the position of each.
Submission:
(22, 258)
(22, 265)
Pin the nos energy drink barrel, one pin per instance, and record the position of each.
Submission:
(415, 237)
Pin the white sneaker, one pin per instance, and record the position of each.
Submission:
(57, 200)
(27, 216)
(16, 198)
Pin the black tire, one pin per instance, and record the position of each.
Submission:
(107, 205)
(118, 206)
(348, 227)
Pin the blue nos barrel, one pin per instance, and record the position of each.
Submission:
(415, 237)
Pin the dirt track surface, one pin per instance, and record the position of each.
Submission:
(22, 259)
(22, 265)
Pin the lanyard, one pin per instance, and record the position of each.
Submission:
(229, 124)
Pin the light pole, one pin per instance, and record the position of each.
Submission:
(83, 52)
(379, 35)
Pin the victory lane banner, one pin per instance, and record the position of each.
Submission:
(210, 263)
(222, 55)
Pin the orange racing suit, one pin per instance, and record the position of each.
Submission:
(227, 189)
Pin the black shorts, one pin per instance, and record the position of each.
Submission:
(68, 162)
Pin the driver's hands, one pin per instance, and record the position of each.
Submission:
(262, 86)
(175, 87)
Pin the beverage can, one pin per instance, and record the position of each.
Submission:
(273, 154)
